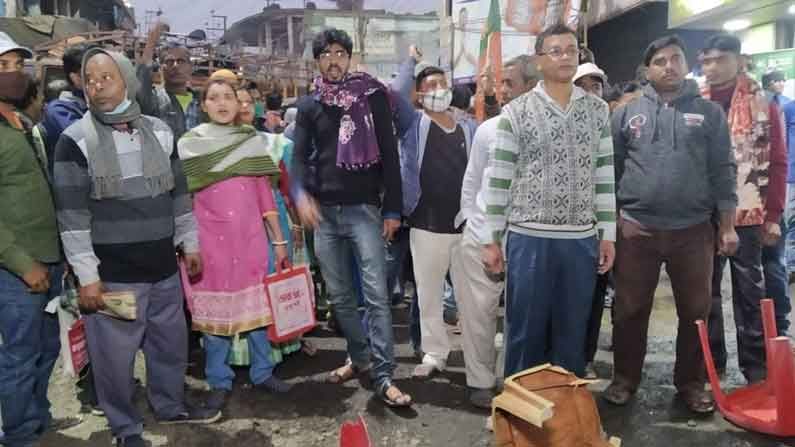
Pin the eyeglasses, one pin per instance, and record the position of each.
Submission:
(558, 53)
(174, 62)
(339, 54)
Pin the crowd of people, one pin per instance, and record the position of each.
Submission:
(189, 198)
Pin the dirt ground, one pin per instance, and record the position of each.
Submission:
(311, 415)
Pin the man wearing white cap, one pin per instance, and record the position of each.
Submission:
(591, 78)
(30, 266)
(12, 56)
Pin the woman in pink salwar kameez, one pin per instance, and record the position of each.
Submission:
(230, 172)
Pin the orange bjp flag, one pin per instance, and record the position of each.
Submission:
(490, 54)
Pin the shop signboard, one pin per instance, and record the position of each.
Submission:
(782, 60)
(682, 11)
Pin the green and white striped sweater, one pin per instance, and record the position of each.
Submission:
(550, 171)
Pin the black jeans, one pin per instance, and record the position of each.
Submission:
(595, 320)
(748, 288)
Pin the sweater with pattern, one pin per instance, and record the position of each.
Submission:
(550, 173)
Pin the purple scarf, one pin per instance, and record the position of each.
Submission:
(357, 147)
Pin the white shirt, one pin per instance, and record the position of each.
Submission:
(473, 206)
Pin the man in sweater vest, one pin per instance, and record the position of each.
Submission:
(549, 195)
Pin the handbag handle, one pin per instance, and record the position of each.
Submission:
(284, 265)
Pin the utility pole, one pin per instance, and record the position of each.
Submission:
(216, 26)
(151, 16)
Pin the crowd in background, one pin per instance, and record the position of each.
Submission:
(570, 196)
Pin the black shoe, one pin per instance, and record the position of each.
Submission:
(481, 397)
(274, 385)
(217, 399)
(193, 416)
(64, 423)
(131, 441)
(450, 317)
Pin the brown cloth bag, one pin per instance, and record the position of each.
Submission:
(547, 406)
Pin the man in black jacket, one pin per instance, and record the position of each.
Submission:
(346, 129)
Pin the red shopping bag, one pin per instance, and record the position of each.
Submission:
(292, 301)
(77, 345)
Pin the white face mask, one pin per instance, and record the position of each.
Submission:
(122, 107)
(438, 100)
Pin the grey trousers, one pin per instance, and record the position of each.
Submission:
(161, 332)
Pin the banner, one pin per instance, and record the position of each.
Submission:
(520, 22)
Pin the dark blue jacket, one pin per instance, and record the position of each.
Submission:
(58, 115)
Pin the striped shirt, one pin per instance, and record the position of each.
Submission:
(129, 239)
(550, 172)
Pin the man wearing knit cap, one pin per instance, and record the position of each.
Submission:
(123, 208)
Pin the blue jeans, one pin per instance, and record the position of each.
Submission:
(549, 293)
(29, 346)
(774, 264)
(448, 302)
(220, 375)
(395, 258)
(357, 230)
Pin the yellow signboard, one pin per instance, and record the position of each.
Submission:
(682, 11)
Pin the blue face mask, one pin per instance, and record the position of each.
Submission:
(121, 108)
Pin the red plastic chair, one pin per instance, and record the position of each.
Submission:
(354, 434)
(767, 407)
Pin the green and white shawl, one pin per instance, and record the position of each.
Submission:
(211, 153)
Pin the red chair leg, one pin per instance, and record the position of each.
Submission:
(781, 375)
(714, 381)
(769, 318)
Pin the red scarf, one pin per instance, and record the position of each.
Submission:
(749, 126)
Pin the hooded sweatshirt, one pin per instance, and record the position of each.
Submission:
(674, 161)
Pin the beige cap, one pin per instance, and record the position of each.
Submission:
(226, 75)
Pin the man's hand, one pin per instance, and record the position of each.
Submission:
(607, 256)
(631, 229)
(487, 82)
(493, 259)
(308, 211)
(194, 263)
(391, 226)
(148, 54)
(91, 297)
(728, 242)
(37, 278)
(415, 53)
(771, 233)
